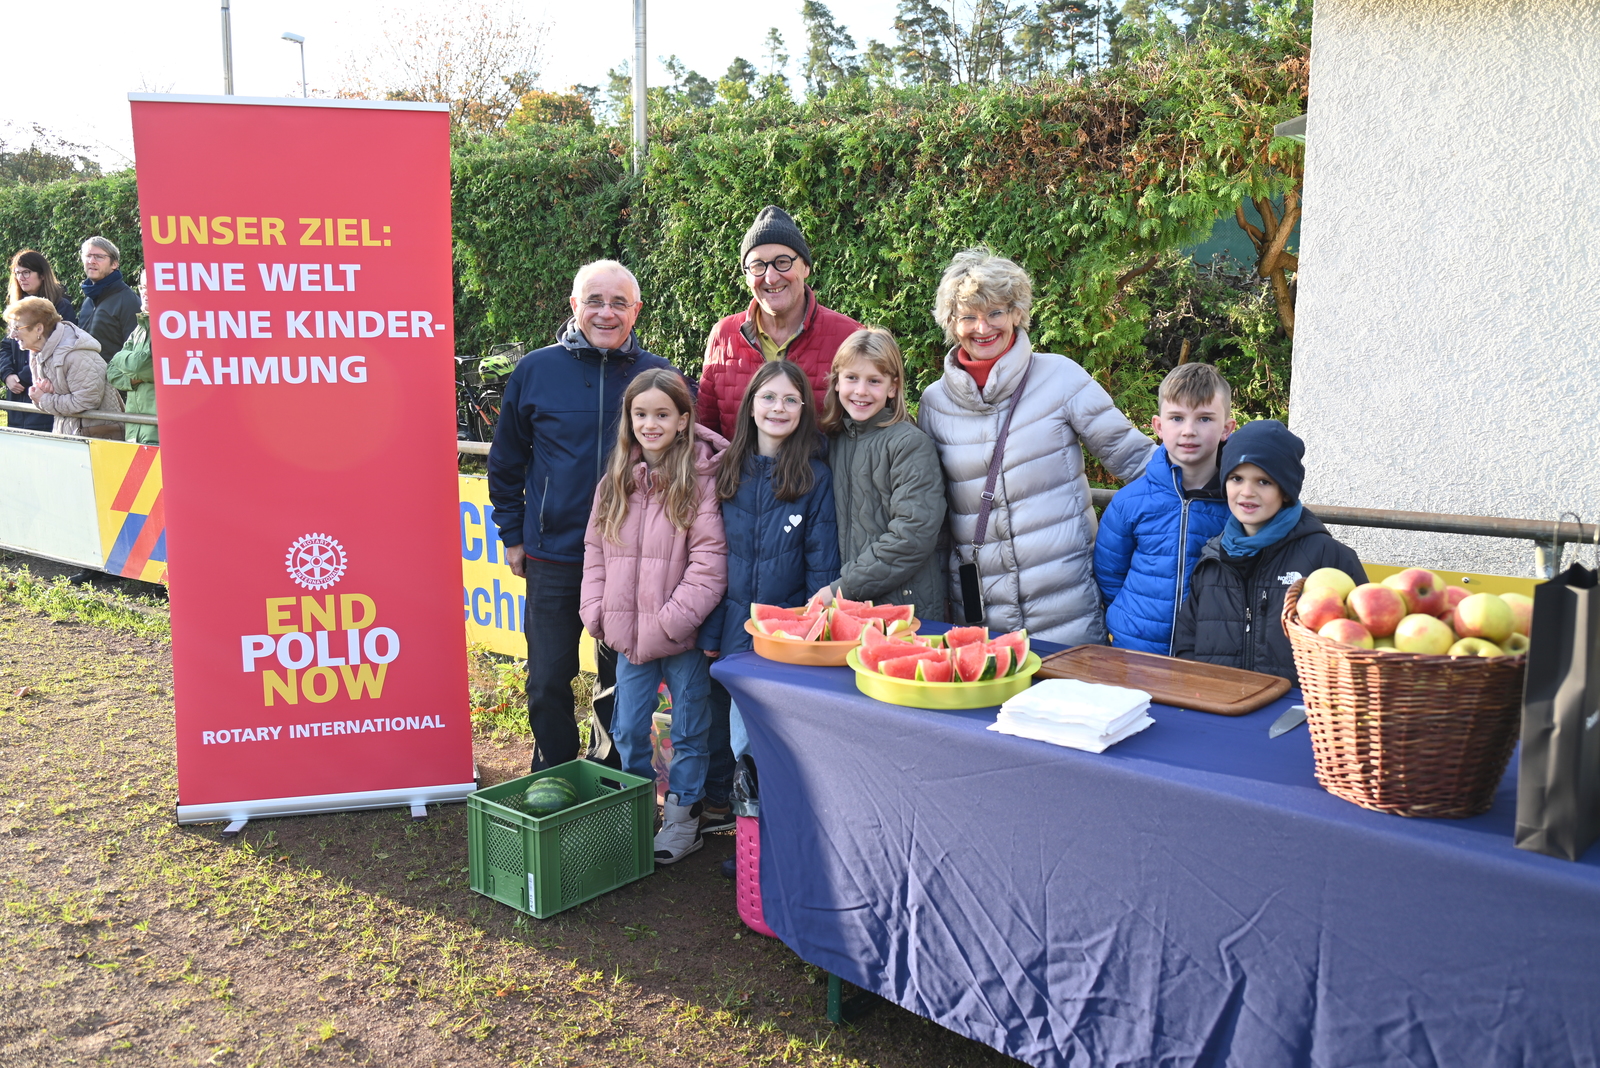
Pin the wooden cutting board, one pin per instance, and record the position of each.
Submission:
(1224, 691)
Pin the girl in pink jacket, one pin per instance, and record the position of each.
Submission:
(654, 567)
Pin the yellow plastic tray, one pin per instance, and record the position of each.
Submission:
(942, 695)
(805, 654)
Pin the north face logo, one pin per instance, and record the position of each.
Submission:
(1290, 578)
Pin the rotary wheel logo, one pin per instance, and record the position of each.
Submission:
(316, 561)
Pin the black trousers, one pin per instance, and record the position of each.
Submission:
(552, 628)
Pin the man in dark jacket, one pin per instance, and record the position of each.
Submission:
(784, 322)
(1234, 612)
(110, 310)
(557, 425)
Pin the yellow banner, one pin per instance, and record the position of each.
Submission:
(127, 497)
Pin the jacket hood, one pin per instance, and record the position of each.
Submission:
(1008, 370)
(1308, 524)
(67, 337)
(573, 340)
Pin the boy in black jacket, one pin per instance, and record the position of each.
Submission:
(1233, 614)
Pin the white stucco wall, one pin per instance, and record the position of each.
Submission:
(1447, 346)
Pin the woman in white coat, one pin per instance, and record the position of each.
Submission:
(1036, 562)
(69, 376)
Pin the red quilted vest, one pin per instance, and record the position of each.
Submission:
(731, 361)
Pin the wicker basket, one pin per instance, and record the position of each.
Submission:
(1403, 733)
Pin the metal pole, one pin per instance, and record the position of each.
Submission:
(305, 90)
(227, 49)
(640, 127)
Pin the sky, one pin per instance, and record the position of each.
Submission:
(77, 85)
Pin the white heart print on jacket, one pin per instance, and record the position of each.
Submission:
(794, 521)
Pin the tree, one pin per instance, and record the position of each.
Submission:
(775, 82)
(878, 65)
(828, 47)
(922, 31)
(479, 56)
(48, 157)
(735, 86)
(576, 106)
(688, 89)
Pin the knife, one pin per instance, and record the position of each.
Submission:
(1287, 722)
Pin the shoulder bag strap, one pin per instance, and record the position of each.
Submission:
(994, 463)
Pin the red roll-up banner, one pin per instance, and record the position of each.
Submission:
(297, 255)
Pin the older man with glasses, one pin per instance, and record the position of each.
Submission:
(558, 423)
(784, 321)
(110, 310)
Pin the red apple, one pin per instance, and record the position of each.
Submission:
(1483, 615)
(1454, 595)
(1319, 605)
(1379, 608)
(1424, 592)
(1419, 633)
(1347, 632)
(1521, 611)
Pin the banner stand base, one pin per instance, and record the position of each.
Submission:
(238, 813)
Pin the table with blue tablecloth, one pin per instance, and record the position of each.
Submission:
(1189, 897)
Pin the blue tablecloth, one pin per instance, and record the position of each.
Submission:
(1189, 897)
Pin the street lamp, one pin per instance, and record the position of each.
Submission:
(295, 38)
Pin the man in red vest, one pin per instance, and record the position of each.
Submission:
(784, 322)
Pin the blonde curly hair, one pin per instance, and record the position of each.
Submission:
(978, 278)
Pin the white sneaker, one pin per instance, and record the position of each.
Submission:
(680, 831)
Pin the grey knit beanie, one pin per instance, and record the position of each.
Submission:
(774, 227)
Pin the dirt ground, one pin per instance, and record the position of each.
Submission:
(349, 938)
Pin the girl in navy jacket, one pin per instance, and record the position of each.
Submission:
(783, 541)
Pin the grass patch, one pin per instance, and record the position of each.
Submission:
(114, 609)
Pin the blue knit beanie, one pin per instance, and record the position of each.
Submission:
(1269, 445)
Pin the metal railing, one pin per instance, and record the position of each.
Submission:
(1548, 536)
(93, 417)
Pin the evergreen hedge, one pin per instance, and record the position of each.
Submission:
(1089, 185)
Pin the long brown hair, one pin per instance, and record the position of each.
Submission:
(792, 477)
(674, 475)
(876, 346)
(49, 288)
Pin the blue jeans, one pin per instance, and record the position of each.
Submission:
(688, 678)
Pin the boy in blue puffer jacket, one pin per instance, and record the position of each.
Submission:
(1154, 528)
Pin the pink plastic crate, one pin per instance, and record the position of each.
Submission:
(747, 881)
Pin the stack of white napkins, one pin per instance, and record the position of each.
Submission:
(1082, 715)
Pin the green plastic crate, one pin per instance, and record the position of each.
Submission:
(545, 866)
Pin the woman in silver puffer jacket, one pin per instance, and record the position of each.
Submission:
(1036, 563)
(69, 374)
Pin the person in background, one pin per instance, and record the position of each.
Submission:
(69, 377)
(557, 423)
(1153, 530)
(654, 567)
(131, 371)
(1233, 613)
(1035, 565)
(109, 310)
(777, 513)
(31, 276)
(784, 322)
(888, 491)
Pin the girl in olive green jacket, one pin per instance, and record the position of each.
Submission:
(888, 487)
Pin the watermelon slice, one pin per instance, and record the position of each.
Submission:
(856, 608)
(974, 663)
(1018, 641)
(758, 612)
(906, 662)
(930, 670)
(847, 628)
(897, 626)
(887, 612)
(956, 637)
(872, 656)
(903, 668)
(1002, 659)
(819, 629)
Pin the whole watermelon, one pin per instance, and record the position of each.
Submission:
(548, 796)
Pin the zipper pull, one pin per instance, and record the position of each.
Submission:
(1247, 619)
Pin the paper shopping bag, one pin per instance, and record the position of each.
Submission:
(1558, 781)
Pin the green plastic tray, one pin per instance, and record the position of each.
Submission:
(545, 866)
(942, 695)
